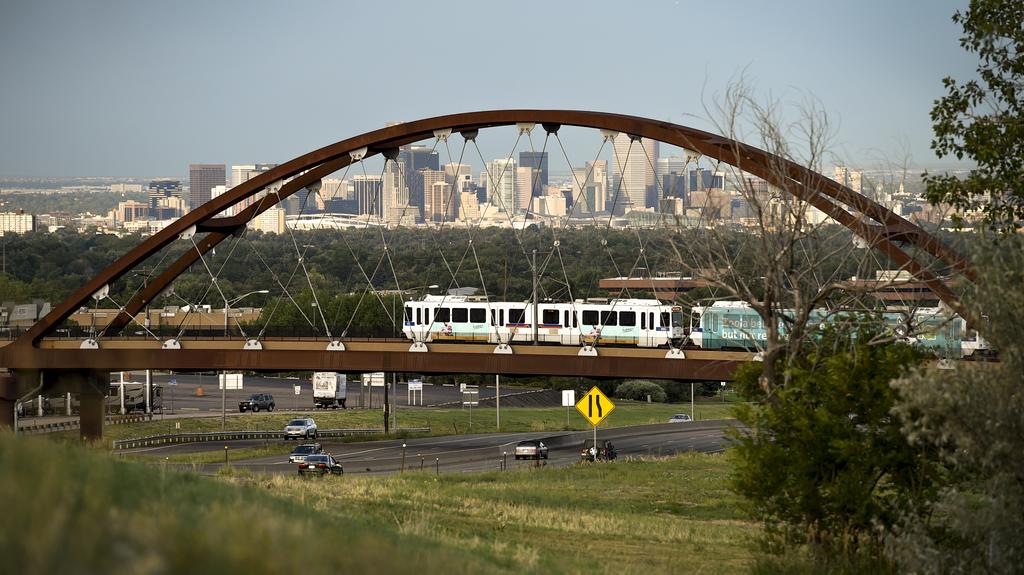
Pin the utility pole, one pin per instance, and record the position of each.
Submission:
(534, 266)
(387, 407)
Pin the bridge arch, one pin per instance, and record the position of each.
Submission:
(884, 232)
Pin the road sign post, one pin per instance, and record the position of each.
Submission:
(568, 400)
(595, 406)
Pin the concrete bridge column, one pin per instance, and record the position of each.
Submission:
(91, 413)
(8, 396)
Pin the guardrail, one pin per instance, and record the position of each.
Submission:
(74, 423)
(202, 436)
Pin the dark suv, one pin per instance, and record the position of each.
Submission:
(256, 402)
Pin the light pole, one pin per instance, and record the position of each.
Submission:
(229, 303)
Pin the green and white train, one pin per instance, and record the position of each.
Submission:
(734, 325)
(627, 322)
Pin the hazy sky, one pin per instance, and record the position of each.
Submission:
(143, 88)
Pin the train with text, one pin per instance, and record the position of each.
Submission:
(723, 325)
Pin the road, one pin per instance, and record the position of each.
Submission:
(474, 453)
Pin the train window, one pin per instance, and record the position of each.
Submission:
(501, 317)
(677, 319)
(442, 315)
(516, 315)
(643, 321)
(565, 322)
(650, 320)
(419, 316)
(627, 318)
(665, 318)
(494, 317)
(408, 314)
(574, 316)
(549, 317)
(590, 317)
(610, 318)
(460, 315)
(477, 315)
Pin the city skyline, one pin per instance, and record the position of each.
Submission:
(97, 95)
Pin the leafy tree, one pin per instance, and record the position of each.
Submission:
(639, 389)
(973, 418)
(983, 119)
(825, 463)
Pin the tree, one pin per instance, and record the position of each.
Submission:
(972, 417)
(983, 119)
(826, 464)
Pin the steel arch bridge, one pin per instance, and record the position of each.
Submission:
(36, 351)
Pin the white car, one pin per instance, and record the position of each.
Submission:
(680, 418)
(303, 427)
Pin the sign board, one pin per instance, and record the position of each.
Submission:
(374, 379)
(230, 381)
(568, 397)
(595, 406)
(298, 390)
(415, 385)
(470, 395)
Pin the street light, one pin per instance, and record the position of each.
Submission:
(229, 303)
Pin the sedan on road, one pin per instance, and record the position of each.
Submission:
(303, 427)
(680, 418)
(531, 449)
(299, 454)
(321, 465)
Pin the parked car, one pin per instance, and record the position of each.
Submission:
(256, 402)
(299, 454)
(320, 464)
(303, 427)
(531, 449)
(603, 452)
(680, 418)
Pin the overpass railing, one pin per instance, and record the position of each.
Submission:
(204, 436)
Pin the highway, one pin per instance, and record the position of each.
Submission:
(473, 453)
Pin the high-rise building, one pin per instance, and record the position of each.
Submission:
(501, 183)
(538, 161)
(367, 191)
(158, 193)
(590, 188)
(413, 160)
(852, 179)
(702, 180)
(201, 180)
(433, 206)
(271, 221)
(633, 170)
(17, 222)
(243, 173)
(132, 211)
(526, 189)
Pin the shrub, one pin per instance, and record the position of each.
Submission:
(639, 389)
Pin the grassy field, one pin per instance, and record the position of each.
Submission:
(441, 421)
(79, 511)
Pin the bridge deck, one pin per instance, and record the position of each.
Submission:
(387, 355)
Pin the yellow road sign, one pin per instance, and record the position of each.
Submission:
(595, 406)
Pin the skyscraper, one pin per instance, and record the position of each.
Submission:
(413, 160)
(501, 183)
(852, 179)
(367, 190)
(243, 173)
(159, 194)
(633, 171)
(201, 179)
(538, 161)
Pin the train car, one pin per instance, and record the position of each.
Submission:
(630, 322)
(728, 325)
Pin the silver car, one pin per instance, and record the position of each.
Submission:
(303, 427)
(531, 449)
(680, 418)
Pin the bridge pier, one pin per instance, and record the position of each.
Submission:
(91, 387)
(91, 407)
(8, 396)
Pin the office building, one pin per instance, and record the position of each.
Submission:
(367, 191)
(413, 160)
(852, 179)
(17, 222)
(243, 173)
(527, 188)
(201, 180)
(633, 169)
(500, 179)
(161, 196)
(537, 161)
(131, 211)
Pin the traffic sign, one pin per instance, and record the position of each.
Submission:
(595, 406)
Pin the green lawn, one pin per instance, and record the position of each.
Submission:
(441, 421)
(76, 510)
